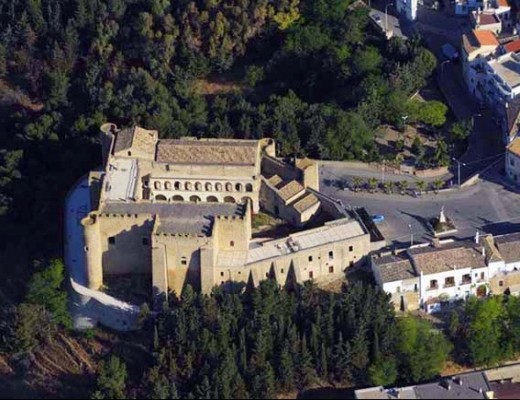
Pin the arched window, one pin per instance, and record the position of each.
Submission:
(195, 199)
(229, 199)
(208, 187)
(168, 185)
(187, 186)
(229, 187)
(177, 185)
(157, 185)
(249, 187)
(177, 198)
(198, 186)
(212, 199)
(160, 197)
(232, 243)
(238, 187)
(218, 187)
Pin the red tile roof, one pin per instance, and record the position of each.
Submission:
(512, 47)
(486, 38)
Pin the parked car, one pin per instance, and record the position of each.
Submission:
(377, 219)
(450, 52)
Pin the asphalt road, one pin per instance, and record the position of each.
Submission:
(486, 206)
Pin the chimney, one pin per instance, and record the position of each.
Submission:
(483, 251)
(477, 237)
(480, 390)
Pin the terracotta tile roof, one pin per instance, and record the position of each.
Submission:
(486, 38)
(432, 260)
(306, 202)
(207, 151)
(395, 268)
(503, 3)
(512, 47)
(488, 19)
(290, 189)
(514, 147)
(509, 247)
(144, 140)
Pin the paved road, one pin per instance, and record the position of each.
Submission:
(487, 207)
(88, 307)
(333, 175)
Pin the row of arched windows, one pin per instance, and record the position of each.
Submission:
(197, 199)
(199, 187)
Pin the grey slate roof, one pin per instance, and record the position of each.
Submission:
(181, 218)
(509, 247)
(394, 268)
(470, 387)
(124, 139)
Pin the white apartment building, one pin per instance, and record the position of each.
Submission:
(513, 161)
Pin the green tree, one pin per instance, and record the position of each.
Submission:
(421, 185)
(460, 130)
(383, 372)
(433, 113)
(437, 185)
(356, 182)
(422, 350)
(111, 379)
(254, 75)
(484, 335)
(372, 184)
(45, 289)
(403, 185)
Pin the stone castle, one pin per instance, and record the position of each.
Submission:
(181, 211)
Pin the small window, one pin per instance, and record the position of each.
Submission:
(111, 240)
(310, 258)
(331, 255)
(222, 273)
(311, 275)
(398, 289)
(184, 261)
(221, 282)
(145, 241)
(500, 283)
(350, 248)
(351, 263)
(433, 284)
(482, 275)
(129, 153)
(331, 270)
(281, 271)
(512, 162)
(232, 243)
(415, 288)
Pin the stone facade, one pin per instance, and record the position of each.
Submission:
(181, 210)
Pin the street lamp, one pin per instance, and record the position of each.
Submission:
(473, 119)
(411, 235)
(386, 17)
(442, 66)
(383, 172)
(458, 168)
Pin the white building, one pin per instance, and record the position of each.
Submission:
(428, 276)
(407, 8)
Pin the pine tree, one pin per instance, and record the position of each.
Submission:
(203, 391)
(305, 370)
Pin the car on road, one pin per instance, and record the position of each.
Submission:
(377, 219)
(450, 52)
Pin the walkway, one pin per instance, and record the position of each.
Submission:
(89, 307)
